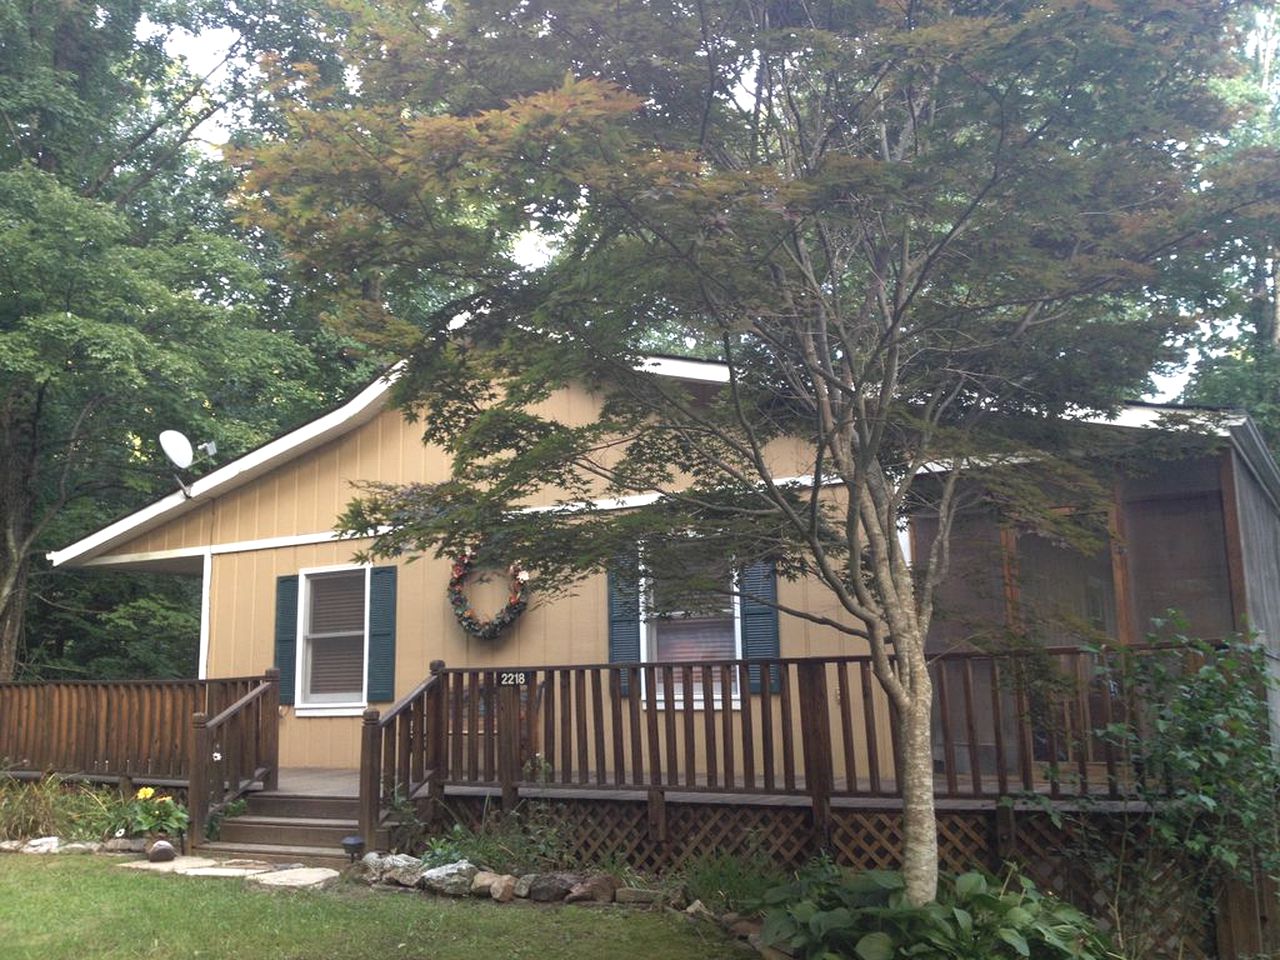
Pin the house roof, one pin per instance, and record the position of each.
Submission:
(360, 409)
(1232, 425)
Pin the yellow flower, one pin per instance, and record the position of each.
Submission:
(146, 793)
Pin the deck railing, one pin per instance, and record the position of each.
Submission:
(132, 730)
(233, 749)
(816, 728)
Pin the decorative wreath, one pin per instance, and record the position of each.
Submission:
(466, 614)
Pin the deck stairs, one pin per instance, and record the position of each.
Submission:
(282, 827)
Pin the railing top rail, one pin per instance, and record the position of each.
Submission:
(182, 681)
(776, 661)
(403, 704)
(239, 705)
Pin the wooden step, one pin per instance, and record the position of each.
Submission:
(273, 803)
(293, 831)
(310, 856)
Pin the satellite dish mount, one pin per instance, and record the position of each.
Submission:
(177, 448)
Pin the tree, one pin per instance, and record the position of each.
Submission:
(907, 229)
(129, 301)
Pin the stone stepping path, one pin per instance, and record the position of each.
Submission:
(257, 871)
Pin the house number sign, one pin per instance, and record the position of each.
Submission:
(513, 678)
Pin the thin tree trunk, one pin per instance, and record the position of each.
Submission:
(920, 826)
(12, 616)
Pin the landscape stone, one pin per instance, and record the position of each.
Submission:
(171, 866)
(296, 877)
(524, 883)
(42, 845)
(552, 887)
(161, 852)
(745, 928)
(504, 888)
(451, 880)
(12, 846)
(124, 845)
(637, 895)
(597, 889)
(482, 883)
(698, 911)
(402, 870)
(81, 846)
(224, 871)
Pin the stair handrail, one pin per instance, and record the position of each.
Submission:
(220, 777)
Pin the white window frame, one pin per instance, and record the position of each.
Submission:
(328, 709)
(647, 642)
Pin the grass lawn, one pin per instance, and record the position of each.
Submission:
(76, 907)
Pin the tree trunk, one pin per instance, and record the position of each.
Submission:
(12, 615)
(919, 821)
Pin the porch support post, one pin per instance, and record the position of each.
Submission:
(437, 739)
(658, 814)
(370, 778)
(198, 778)
(815, 735)
(509, 745)
(270, 732)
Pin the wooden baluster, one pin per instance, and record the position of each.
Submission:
(491, 731)
(709, 722)
(726, 726)
(651, 725)
(944, 715)
(872, 734)
(1108, 718)
(1084, 720)
(997, 720)
(748, 727)
(580, 722)
(1024, 729)
(690, 746)
(788, 728)
(473, 725)
(615, 715)
(634, 691)
(390, 783)
(669, 723)
(971, 728)
(566, 726)
(457, 687)
(597, 716)
(846, 728)
(766, 727)
(549, 724)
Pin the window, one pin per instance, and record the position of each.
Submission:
(333, 631)
(685, 620)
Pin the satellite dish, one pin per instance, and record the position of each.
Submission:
(177, 448)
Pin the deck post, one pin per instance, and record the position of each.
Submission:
(658, 814)
(198, 772)
(815, 736)
(270, 757)
(436, 724)
(509, 745)
(370, 777)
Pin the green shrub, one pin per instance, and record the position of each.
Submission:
(826, 914)
(727, 881)
(526, 839)
(52, 807)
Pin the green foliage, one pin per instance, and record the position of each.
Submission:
(727, 881)
(828, 914)
(213, 829)
(150, 812)
(526, 839)
(52, 807)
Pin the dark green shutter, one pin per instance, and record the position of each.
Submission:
(624, 616)
(286, 634)
(382, 634)
(758, 584)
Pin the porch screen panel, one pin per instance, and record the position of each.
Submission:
(1066, 597)
(1177, 551)
(334, 656)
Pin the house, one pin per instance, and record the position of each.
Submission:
(1199, 534)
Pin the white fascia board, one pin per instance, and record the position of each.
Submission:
(360, 409)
